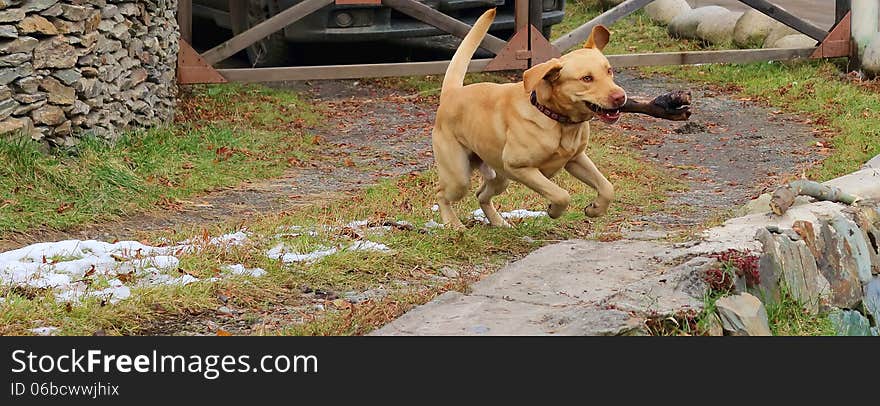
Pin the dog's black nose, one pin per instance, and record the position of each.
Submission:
(617, 99)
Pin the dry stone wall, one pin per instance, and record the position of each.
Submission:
(73, 67)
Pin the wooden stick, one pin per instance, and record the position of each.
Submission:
(784, 196)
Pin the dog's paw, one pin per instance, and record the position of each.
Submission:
(593, 210)
(554, 211)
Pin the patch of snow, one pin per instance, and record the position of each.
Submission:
(513, 214)
(279, 252)
(44, 331)
(433, 224)
(358, 224)
(239, 269)
(62, 265)
(366, 245)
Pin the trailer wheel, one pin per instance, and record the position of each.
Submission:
(274, 50)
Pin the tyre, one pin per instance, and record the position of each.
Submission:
(274, 50)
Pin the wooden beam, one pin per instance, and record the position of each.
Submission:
(184, 19)
(344, 71)
(442, 21)
(263, 29)
(805, 27)
(705, 57)
(580, 34)
(191, 68)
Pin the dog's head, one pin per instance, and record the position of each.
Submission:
(579, 84)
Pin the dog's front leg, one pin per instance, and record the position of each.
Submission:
(535, 180)
(582, 168)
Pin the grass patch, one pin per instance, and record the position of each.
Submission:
(284, 300)
(224, 134)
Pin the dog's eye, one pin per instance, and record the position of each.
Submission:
(610, 72)
(587, 78)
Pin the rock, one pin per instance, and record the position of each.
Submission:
(29, 107)
(718, 28)
(20, 44)
(76, 13)
(838, 266)
(48, 115)
(54, 53)
(67, 76)
(670, 292)
(58, 93)
(871, 55)
(664, 11)
(752, 29)
(29, 98)
(449, 272)
(8, 31)
(7, 75)
(867, 217)
(850, 323)
(779, 30)
(69, 27)
(11, 15)
(794, 263)
(685, 25)
(129, 9)
(795, 41)
(873, 163)
(28, 84)
(743, 315)
(37, 5)
(11, 125)
(7, 106)
(5, 92)
(37, 24)
(62, 130)
(367, 295)
(14, 59)
(872, 299)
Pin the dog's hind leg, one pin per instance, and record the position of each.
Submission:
(453, 175)
(582, 168)
(490, 188)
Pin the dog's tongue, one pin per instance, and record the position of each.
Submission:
(609, 118)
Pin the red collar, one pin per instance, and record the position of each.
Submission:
(550, 113)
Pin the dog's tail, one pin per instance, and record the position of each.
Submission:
(462, 58)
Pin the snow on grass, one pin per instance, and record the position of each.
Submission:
(44, 331)
(513, 214)
(240, 270)
(71, 267)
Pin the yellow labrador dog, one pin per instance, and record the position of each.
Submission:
(525, 131)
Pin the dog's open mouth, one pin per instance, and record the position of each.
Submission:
(606, 115)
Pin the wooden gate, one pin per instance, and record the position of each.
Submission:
(525, 48)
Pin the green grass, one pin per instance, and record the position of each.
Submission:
(206, 149)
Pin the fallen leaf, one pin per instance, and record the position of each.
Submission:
(223, 333)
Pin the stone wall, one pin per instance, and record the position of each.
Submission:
(73, 67)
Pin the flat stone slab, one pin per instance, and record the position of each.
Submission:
(560, 289)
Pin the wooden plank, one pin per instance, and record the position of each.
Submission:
(521, 15)
(705, 57)
(442, 21)
(184, 19)
(805, 27)
(841, 8)
(580, 34)
(344, 71)
(263, 29)
(839, 42)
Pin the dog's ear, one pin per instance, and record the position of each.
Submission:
(545, 71)
(598, 38)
